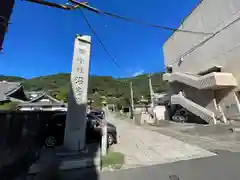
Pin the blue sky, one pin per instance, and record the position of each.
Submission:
(40, 39)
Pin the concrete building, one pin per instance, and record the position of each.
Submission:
(203, 68)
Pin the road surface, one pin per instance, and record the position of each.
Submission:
(172, 157)
(221, 167)
(143, 147)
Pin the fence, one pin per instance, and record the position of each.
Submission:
(21, 137)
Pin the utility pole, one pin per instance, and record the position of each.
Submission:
(151, 90)
(104, 145)
(132, 102)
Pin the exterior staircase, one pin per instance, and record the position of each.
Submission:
(214, 80)
(196, 109)
(203, 81)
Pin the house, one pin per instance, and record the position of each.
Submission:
(42, 101)
(33, 94)
(11, 91)
(160, 99)
(36, 100)
(203, 68)
(142, 106)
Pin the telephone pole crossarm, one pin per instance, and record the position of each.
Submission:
(85, 5)
(55, 5)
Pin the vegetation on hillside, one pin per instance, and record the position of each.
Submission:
(10, 78)
(114, 90)
(9, 106)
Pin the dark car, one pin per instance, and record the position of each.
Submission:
(54, 135)
(98, 113)
(94, 130)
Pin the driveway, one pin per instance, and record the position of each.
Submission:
(143, 147)
(209, 137)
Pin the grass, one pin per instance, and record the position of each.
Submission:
(114, 160)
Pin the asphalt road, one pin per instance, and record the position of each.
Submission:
(225, 166)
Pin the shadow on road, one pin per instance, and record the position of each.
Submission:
(57, 165)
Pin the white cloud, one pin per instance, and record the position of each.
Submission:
(138, 73)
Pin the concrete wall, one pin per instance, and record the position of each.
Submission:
(160, 112)
(223, 49)
(202, 97)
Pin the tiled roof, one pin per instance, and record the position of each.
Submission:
(7, 88)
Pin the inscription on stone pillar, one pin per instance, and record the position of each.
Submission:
(77, 100)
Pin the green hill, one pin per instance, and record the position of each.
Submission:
(108, 86)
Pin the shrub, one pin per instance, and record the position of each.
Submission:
(113, 159)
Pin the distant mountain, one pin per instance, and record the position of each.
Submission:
(10, 78)
(108, 86)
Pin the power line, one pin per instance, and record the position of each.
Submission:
(151, 25)
(204, 41)
(144, 23)
(99, 39)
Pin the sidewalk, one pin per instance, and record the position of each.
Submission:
(144, 147)
(65, 163)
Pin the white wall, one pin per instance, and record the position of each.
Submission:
(160, 112)
(46, 109)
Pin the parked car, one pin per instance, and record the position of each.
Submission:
(56, 127)
(179, 114)
(94, 130)
(97, 112)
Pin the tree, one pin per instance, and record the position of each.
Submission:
(9, 106)
(97, 101)
(108, 86)
(63, 96)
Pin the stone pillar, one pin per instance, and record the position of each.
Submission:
(74, 139)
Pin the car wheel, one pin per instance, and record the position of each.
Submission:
(110, 139)
(50, 142)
